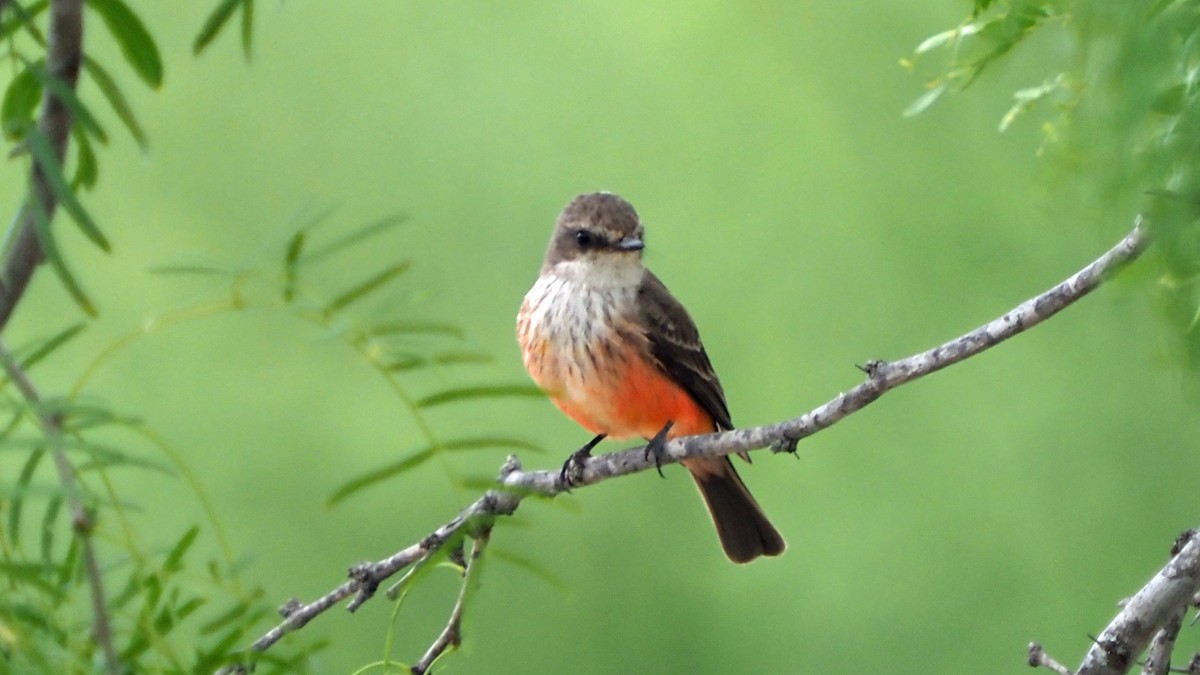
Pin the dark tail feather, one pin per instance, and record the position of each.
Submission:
(743, 528)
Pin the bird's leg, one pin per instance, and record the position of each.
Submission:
(658, 445)
(572, 469)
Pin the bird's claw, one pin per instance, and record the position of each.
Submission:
(572, 469)
(658, 447)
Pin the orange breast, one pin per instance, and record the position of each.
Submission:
(634, 399)
(594, 362)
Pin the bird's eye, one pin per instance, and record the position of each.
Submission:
(584, 238)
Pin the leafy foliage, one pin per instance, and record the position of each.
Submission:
(1122, 112)
(178, 608)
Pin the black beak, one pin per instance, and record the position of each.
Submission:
(630, 244)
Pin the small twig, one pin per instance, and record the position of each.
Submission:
(81, 521)
(64, 54)
(1038, 658)
(451, 635)
(366, 577)
(1158, 657)
(882, 376)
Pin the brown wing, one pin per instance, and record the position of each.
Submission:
(675, 343)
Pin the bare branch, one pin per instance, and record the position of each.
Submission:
(516, 484)
(81, 520)
(1154, 606)
(451, 635)
(1038, 658)
(1158, 658)
(64, 54)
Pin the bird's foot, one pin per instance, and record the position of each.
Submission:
(658, 446)
(572, 469)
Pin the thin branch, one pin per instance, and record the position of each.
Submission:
(1038, 658)
(1154, 606)
(451, 635)
(515, 484)
(64, 54)
(81, 521)
(1158, 658)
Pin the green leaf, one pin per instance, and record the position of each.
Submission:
(186, 268)
(48, 347)
(468, 393)
(40, 148)
(53, 508)
(17, 501)
(41, 224)
(174, 560)
(291, 266)
(213, 25)
(368, 231)
(65, 93)
(416, 327)
(21, 99)
(116, 100)
(365, 288)
(420, 457)
(23, 17)
(136, 42)
(531, 566)
(247, 28)
(411, 361)
(86, 168)
(925, 100)
(372, 477)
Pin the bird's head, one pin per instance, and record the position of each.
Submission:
(598, 239)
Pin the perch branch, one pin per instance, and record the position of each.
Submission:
(515, 483)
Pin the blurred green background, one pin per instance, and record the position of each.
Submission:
(806, 224)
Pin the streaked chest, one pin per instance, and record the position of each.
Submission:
(575, 335)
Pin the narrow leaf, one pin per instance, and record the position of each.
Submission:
(48, 347)
(365, 288)
(213, 25)
(65, 93)
(405, 362)
(189, 269)
(372, 477)
(925, 100)
(529, 565)
(416, 327)
(136, 42)
(53, 508)
(174, 560)
(17, 501)
(413, 461)
(41, 224)
(291, 266)
(369, 230)
(40, 148)
(465, 393)
(87, 170)
(23, 17)
(116, 100)
(247, 28)
(21, 99)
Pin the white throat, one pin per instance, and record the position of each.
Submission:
(602, 272)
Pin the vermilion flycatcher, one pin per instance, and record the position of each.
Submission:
(618, 354)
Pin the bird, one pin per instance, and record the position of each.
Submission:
(618, 354)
